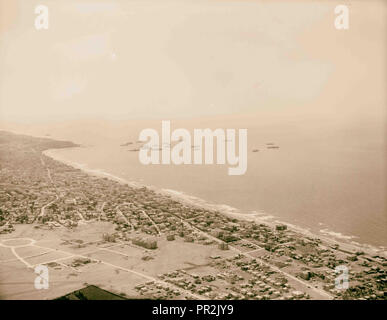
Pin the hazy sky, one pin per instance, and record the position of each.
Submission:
(129, 59)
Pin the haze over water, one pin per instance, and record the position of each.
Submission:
(106, 70)
(329, 182)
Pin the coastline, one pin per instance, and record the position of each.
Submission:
(97, 223)
(331, 237)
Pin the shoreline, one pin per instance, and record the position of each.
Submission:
(226, 210)
(183, 240)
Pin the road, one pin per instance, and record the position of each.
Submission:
(84, 256)
(247, 254)
(124, 216)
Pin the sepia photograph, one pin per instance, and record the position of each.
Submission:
(193, 154)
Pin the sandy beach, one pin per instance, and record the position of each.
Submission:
(330, 237)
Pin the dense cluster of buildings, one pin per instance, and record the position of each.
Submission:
(38, 190)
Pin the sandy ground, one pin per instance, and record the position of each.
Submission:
(115, 267)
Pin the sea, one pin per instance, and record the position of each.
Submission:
(280, 70)
(325, 177)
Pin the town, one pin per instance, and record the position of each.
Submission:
(166, 249)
